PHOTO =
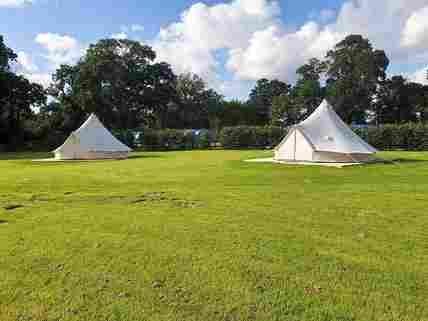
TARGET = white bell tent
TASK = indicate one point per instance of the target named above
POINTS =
(92, 141)
(323, 137)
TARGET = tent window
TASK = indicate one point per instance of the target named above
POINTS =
(328, 138)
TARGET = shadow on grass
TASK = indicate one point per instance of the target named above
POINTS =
(147, 155)
(407, 161)
(3, 222)
(13, 207)
(7, 156)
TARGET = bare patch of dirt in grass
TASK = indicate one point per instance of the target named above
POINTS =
(148, 198)
(40, 198)
(188, 203)
(152, 197)
(163, 196)
(313, 290)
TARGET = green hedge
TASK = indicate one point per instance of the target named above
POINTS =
(410, 136)
(250, 136)
(127, 137)
(174, 139)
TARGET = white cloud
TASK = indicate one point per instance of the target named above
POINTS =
(284, 51)
(15, 3)
(119, 36)
(274, 54)
(26, 63)
(62, 49)
(25, 66)
(191, 43)
(258, 45)
(56, 42)
(415, 33)
(419, 76)
(43, 79)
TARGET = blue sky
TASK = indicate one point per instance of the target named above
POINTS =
(229, 43)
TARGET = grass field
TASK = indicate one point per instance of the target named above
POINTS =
(186, 236)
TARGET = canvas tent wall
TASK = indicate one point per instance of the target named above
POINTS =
(324, 137)
(92, 141)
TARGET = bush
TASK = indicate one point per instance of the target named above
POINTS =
(251, 136)
(174, 139)
(410, 136)
(127, 137)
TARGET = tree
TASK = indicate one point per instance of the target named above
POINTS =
(312, 70)
(198, 106)
(214, 109)
(354, 71)
(418, 98)
(261, 97)
(400, 101)
(118, 80)
(6, 56)
(191, 92)
(308, 92)
(285, 111)
(235, 113)
(17, 97)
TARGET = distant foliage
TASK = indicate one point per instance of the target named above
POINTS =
(127, 137)
(251, 136)
(409, 136)
(175, 139)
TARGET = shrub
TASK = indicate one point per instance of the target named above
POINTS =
(174, 139)
(409, 136)
(126, 136)
(250, 136)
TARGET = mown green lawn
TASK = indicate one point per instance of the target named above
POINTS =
(202, 235)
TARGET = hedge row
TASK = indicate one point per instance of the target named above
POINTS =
(250, 136)
(229, 137)
(410, 136)
(173, 139)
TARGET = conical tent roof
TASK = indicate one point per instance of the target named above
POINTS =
(94, 137)
(326, 132)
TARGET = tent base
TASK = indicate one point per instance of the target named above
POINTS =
(311, 163)
(55, 160)
(92, 156)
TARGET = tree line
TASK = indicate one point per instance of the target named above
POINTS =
(121, 81)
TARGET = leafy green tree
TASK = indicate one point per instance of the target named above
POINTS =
(198, 106)
(236, 113)
(308, 92)
(261, 97)
(285, 111)
(191, 92)
(419, 100)
(118, 80)
(214, 108)
(400, 101)
(312, 70)
(354, 70)
(6, 56)
(17, 97)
